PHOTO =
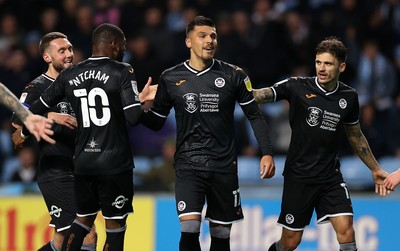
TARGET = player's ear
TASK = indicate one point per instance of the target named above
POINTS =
(342, 67)
(188, 43)
(46, 58)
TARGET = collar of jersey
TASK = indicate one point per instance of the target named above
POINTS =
(198, 73)
(325, 91)
(48, 77)
(98, 58)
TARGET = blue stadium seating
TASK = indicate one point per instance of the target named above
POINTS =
(356, 174)
(389, 163)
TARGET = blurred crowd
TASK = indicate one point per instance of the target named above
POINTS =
(269, 39)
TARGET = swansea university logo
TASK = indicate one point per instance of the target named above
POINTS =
(190, 102)
(314, 116)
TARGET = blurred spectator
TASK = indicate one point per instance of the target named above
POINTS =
(374, 130)
(376, 78)
(132, 16)
(140, 55)
(10, 35)
(161, 177)
(49, 20)
(160, 38)
(27, 170)
(174, 17)
(81, 37)
(105, 11)
(16, 73)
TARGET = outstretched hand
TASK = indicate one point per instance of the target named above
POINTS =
(40, 127)
(392, 180)
(379, 177)
(267, 167)
(148, 94)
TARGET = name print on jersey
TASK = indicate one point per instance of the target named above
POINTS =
(327, 120)
(91, 74)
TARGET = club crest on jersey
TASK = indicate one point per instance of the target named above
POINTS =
(219, 82)
(342, 103)
(247, 82)
(289, 219)
(181, 206)
(314, 116)
(190, 102)
(63, 107)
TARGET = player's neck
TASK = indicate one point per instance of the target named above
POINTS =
(330, 86)
(199, 64)
(51, 72)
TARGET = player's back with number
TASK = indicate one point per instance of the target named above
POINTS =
(99, 90)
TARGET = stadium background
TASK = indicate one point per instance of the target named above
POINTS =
(270, 40)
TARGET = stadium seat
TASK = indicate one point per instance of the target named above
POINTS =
(142, 164)
(356, 174)
(389, 163)
(249, 171)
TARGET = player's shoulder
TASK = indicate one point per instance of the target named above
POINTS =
(345, 87)
(173, 70)
(228, 66)
(41, 82)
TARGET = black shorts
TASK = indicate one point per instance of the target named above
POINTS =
(221, 191)
(60, 201)
(299, 200)
(112, 194)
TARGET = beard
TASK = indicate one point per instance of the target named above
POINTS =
(60, 67)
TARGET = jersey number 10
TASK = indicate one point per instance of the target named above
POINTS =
(88, 104)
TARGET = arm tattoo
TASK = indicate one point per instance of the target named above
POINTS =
(8, 99)
(360, 145)
(264, 95)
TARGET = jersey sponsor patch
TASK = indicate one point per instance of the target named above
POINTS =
(247, 82)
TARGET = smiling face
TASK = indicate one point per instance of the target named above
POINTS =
(328, 68)
(59, 54)
(202, 42)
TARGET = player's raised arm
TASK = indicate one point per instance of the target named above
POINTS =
(264, 95)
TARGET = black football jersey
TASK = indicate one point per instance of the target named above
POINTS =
(204, 103)
(99, 90)
(315, 115)
(55, 160)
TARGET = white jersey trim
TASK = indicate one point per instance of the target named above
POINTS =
(223, 222)
(159, 115)
(246, 103)
(325, 218)
(198, 73)
(129, 106)
(191, 213)
(44, 103)
(325, 91)
(291, 228)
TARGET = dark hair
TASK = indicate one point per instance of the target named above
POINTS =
(199, 21)
(107, 33)
(333, 46)
(46, 39)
